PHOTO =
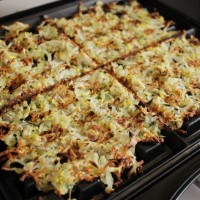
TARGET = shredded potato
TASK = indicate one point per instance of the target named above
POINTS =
(78, 94)
(165, 77)
(109, 31)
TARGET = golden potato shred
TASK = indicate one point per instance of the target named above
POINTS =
(78, 94)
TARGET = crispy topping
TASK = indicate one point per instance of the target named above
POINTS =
(78, 94)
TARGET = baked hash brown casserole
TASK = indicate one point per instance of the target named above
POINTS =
(78, 94)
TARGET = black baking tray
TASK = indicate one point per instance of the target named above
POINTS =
(168, 166)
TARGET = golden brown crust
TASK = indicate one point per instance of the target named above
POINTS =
(76, 98)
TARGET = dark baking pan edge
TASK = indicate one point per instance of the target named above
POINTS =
(25, 15)
(182, 21)
(179, 12)
(55, 9)
(62, 5)
(175, 183)
(147, 180)
(187, 182)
